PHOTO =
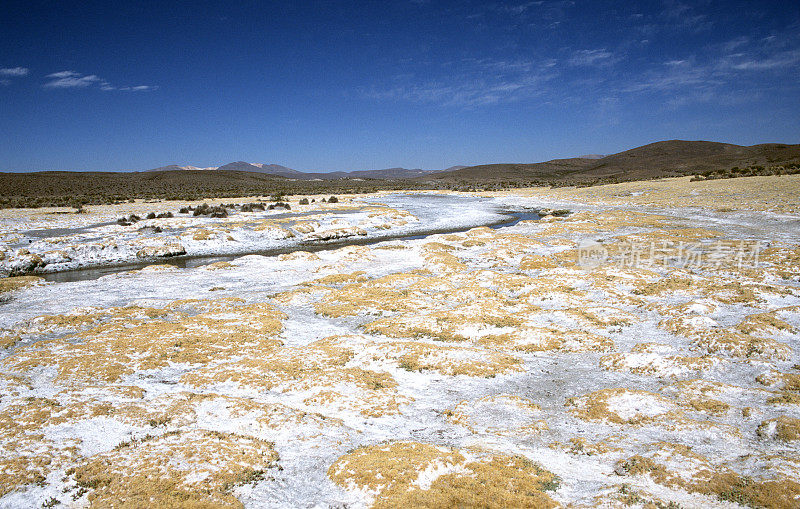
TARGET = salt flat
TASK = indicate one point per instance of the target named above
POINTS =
(641, 350)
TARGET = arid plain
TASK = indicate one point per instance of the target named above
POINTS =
(637, 345)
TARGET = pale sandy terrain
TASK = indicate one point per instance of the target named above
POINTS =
(643, 351)
(777, 194)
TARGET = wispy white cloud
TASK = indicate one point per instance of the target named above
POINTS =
(682, 16)
(72, 79)
(139, 88)
(14, 71)
(520, 8)
(593, 57)
(781, 60)
(689, 73)
(471, 83)
(675, 74)
(721, 72)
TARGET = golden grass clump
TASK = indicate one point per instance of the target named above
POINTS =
(395, 475)
(178, 469)
(503, 248)
(439, 259)
(24, 421)
(714, 400)
(303, 256)
(306, 226)
(338, 279)
(316, 371)
(273, 228)
(705, 333)
(781, 380)
(784, 260)
(9, 339)
(21, 431)
(671, 284)
(85, 317)
(450, 326)
(540, 339)
(579, 446)
(625, 406)
(448, 360)
(601, 316)
(677, 466)
(764, 323)
(537, 262)
(133, 340)
(11, 284)
(640, 361)
(784, 428)
(220, 266)
(201, 234)
(391, 293)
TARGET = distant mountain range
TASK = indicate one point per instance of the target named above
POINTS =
(283, 171)
(671, 158)
(656, 160)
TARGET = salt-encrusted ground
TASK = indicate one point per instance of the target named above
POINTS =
(642, 350)
(51, 240)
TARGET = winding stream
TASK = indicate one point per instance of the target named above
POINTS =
(511, 217)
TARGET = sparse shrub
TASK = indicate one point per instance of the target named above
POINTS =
(303, 201)
(252, 207)
(207, 210)
(127, 221)
(333, 199)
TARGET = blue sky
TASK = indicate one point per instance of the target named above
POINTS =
(325, 85)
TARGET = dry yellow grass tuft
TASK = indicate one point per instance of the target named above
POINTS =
(10, 284)
(448, 360)
(317, 371)
(177, 469)
(782, 428)
(625, 406)
(413, 474)
(131, 339)
(677, 466)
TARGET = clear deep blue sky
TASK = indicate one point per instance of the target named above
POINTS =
(324, 85)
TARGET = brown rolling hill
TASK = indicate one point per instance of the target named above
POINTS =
(656, 160)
